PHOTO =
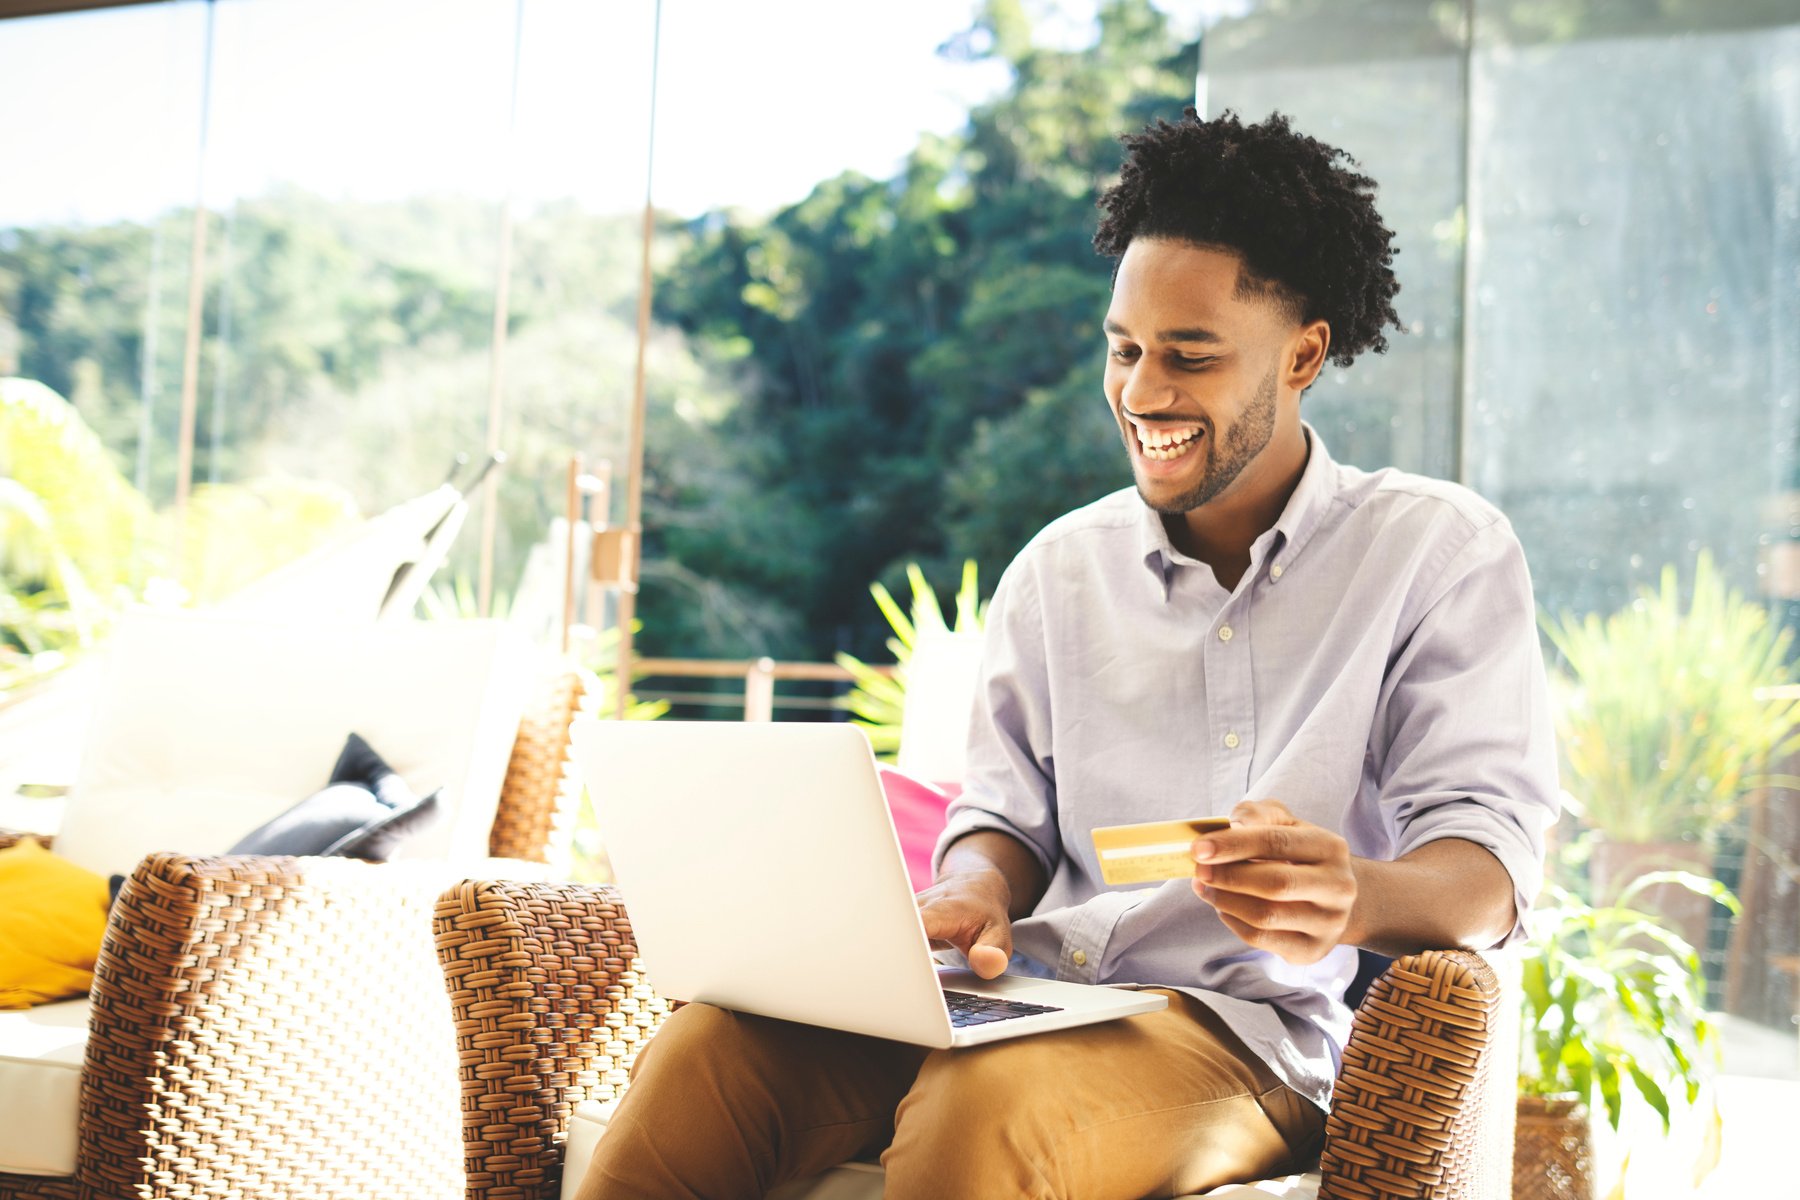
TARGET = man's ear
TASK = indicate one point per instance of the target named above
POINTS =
(1306, 352)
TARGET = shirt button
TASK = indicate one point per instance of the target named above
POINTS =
(1231, 741)
(1079, 958)
(1275, 571)
(1224, 633)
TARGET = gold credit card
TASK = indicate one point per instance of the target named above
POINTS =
(1151, 850)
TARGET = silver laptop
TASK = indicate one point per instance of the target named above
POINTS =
(763, 874)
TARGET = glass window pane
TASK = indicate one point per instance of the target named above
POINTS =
(1632, 349)
(95, 239)
(94, 250)
(1382, 80)
(1632, 364)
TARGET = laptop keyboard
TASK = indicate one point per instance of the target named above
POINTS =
(966, 1009)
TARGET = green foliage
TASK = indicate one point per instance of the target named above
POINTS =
(878, 700)
(1612, 997)
(93, 321)
(1663, 716)
(72, 532)
(78, 541)
(238, 532)
(601, 656)
(349, 345)
(454, 599)
(1061, 439)
(831, 383)
(917, 358)
(72, 524)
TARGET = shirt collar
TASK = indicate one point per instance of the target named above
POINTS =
(1280, 543)
(1311, 500)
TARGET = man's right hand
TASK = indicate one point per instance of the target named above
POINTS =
(967, 910)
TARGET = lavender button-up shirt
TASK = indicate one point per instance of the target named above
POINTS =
(1376, 670)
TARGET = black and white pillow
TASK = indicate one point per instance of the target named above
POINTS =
(364, 811)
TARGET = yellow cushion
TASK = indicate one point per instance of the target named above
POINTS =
(52, 919)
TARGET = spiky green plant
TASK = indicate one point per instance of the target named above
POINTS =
(80, 507)
(1613, 998)
(237, 533)
(78, 542)
(601, 655)
(1665, 715)
(455, 599)
(71, 532)
(878, 700)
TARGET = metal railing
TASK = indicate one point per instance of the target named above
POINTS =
(759, 698)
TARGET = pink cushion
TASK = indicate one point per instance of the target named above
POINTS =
(918, 810)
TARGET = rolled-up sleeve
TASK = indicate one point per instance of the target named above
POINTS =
(1470, 751)
(1009, 785)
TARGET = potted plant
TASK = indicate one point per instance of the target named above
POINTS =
(1613, 1005)
(1664, 721)
(877, 702)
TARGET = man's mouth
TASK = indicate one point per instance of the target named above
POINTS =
(1166, 445)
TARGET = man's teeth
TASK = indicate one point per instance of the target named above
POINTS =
(1161, 445)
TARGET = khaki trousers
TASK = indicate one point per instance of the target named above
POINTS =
(725, 1106)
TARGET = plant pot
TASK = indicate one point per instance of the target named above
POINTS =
(1614, 865)
(1553, 1149)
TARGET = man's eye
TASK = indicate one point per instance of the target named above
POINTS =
(1189, 362)
(1123, 353)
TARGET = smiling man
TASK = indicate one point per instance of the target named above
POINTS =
(1345, 663)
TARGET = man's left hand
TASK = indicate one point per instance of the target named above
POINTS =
(1278, 883)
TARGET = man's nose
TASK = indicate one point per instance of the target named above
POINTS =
(1148, 389)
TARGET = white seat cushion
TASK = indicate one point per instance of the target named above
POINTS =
(206, 726)
(862, 1181)
(40, 1087)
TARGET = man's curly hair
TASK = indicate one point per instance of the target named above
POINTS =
(1302, 220)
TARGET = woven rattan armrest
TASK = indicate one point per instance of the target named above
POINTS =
(1424, 1100)
(12, 837)
(267, 1027)
(535, 818)
(550, 1011)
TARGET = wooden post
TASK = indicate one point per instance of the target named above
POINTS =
(196, 315)
(598, 487)
(634, 485)
(571, 518)
(496, 411)
(759, 691)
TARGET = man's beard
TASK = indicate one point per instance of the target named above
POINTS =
(1225, 462)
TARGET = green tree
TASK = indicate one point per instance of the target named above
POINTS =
(897, 344)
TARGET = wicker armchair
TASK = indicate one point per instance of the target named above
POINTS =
(551, 1008)
(277, 1028)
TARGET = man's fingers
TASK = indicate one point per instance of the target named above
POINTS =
(956, 931)
(991, 951)
(1278, 883)
(1284, 881)
(1291, 947)
(988, 961)
(948, 931)
(986, 943)
(1262, 812)
(1271, 916)
(1286, 843)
